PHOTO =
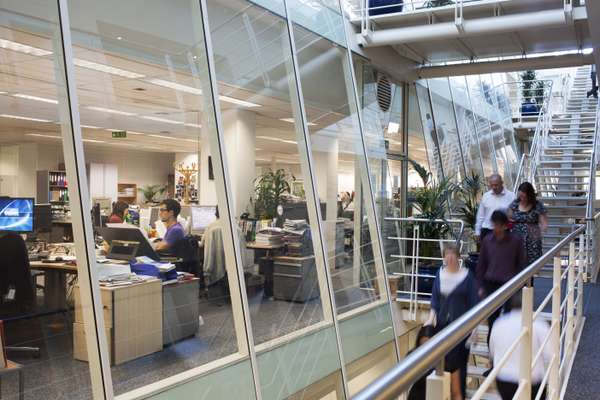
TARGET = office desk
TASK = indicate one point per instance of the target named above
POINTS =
(133, 319)
(55, 282)
(266, 268)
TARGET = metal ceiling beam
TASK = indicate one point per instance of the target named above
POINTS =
(547, 62)
(469, 27)
(593, 10)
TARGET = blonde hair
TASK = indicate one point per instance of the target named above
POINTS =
(451, 247)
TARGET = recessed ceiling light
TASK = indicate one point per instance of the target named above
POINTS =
(193, 125)
(238, 101)
(23, 48)
(291, 121)
(107, 69)
(35, 98)
(110, 111)
(119, 37)
(277, 139)
(24, 118)
(93, 141)
(175, 86)
(45, 136)
(165, 120)
(136, 133)
(90, 126)
(163, 137)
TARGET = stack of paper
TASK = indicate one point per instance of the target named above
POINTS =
(270, 237)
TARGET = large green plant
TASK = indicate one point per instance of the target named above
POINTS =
(469, 193)
(269, 189)
(528, 77)
(151, 191)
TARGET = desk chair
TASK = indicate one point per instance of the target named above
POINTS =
(188, 251)
(16, 282)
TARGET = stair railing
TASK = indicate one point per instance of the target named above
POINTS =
(566, 301)
(591, 218)
(529, 161)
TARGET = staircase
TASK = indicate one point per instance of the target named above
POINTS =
(562, 173)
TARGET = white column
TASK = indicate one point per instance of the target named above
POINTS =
(325, 155)
(240, 139)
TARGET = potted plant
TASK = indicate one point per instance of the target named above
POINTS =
(528, 106)
(151, 191)
(269, 189)
(469, 194)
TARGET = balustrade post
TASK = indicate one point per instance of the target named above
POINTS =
(554, 342)
(569, 322)
(526, 356)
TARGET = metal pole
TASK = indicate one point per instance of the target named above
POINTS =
(569, 339)
(525, 357)
(554, 378)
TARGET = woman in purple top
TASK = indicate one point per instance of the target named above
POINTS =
(168, 211)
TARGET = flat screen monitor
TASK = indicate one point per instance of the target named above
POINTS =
(16, 214)
(202, 216)
(42, 217)
(129, 234)
(105, 204)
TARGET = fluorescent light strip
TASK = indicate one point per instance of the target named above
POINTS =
(175, 86)
(110, 111)
(238, 101)
(135, 133)
(277, 139)
(163, 137)
(45, 136)
(35, 98)
(291, 121)
(107, 69)
(90, 126)
(93, 141)
(23, 48)
(24, 118)
(165, 120)
(193, 125)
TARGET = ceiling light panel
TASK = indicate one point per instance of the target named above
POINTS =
(238, 102)
(23, 48)
(165, 120)
(291, 121)
(175, 86)
(35, 98)
(110, 111)
(40, 135)
(24, 118)
(107, 69)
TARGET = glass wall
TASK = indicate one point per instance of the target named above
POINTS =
(429, 130)
(149, 125)
(38, 202)
(208, 217)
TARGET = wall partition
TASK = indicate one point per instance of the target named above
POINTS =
(198, 174)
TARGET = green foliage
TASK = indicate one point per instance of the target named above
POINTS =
(151, 191)
(438, 3)
(538, 90)
(469, 193)
(527, 85)
(269, 189)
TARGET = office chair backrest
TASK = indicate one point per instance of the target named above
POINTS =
(15, 274)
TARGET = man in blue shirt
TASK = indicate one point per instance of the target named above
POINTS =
(168, 210)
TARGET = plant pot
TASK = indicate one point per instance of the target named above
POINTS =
(529, 108)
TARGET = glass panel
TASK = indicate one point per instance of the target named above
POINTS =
(36, 303)
(446, 129)
(429, 131)
(349, 232)
(482, 124)
(290, 310)
(466, 125)
(151, 143)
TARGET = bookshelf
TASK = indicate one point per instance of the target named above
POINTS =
(127, 192)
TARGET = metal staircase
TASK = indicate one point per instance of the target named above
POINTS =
(566, 162)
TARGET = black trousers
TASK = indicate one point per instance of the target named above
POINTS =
(508, 389)
(490, 287)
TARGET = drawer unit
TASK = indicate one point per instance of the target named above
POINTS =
(295, 278)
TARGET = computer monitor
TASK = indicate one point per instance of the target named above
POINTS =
(42, 218)
(105, 204)
(16, 214)
(130, 234)
(202, 216)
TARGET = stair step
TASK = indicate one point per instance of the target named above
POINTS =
(563, 161)
(562, 198)
(557, 190)
(563, 169)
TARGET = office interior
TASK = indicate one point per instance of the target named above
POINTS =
(147, 119)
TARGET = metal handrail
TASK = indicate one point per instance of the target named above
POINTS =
(399, 378)
(593, 163)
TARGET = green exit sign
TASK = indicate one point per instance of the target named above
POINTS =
(119, 134)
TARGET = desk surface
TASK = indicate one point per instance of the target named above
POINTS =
(260, 246)
(59, 266)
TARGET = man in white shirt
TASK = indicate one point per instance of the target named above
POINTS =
(505, 331)
(498, 198)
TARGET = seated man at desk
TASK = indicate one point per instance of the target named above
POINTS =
(168, 210)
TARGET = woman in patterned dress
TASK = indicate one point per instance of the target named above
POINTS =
(529, 219)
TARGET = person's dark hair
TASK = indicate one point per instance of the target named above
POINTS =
(426, 332)
(499, 217)
(529, 191)
(172, 205)
(119, 208)
(217, 212)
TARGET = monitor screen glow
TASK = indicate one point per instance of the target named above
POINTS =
(16, 214)
(202, 217)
